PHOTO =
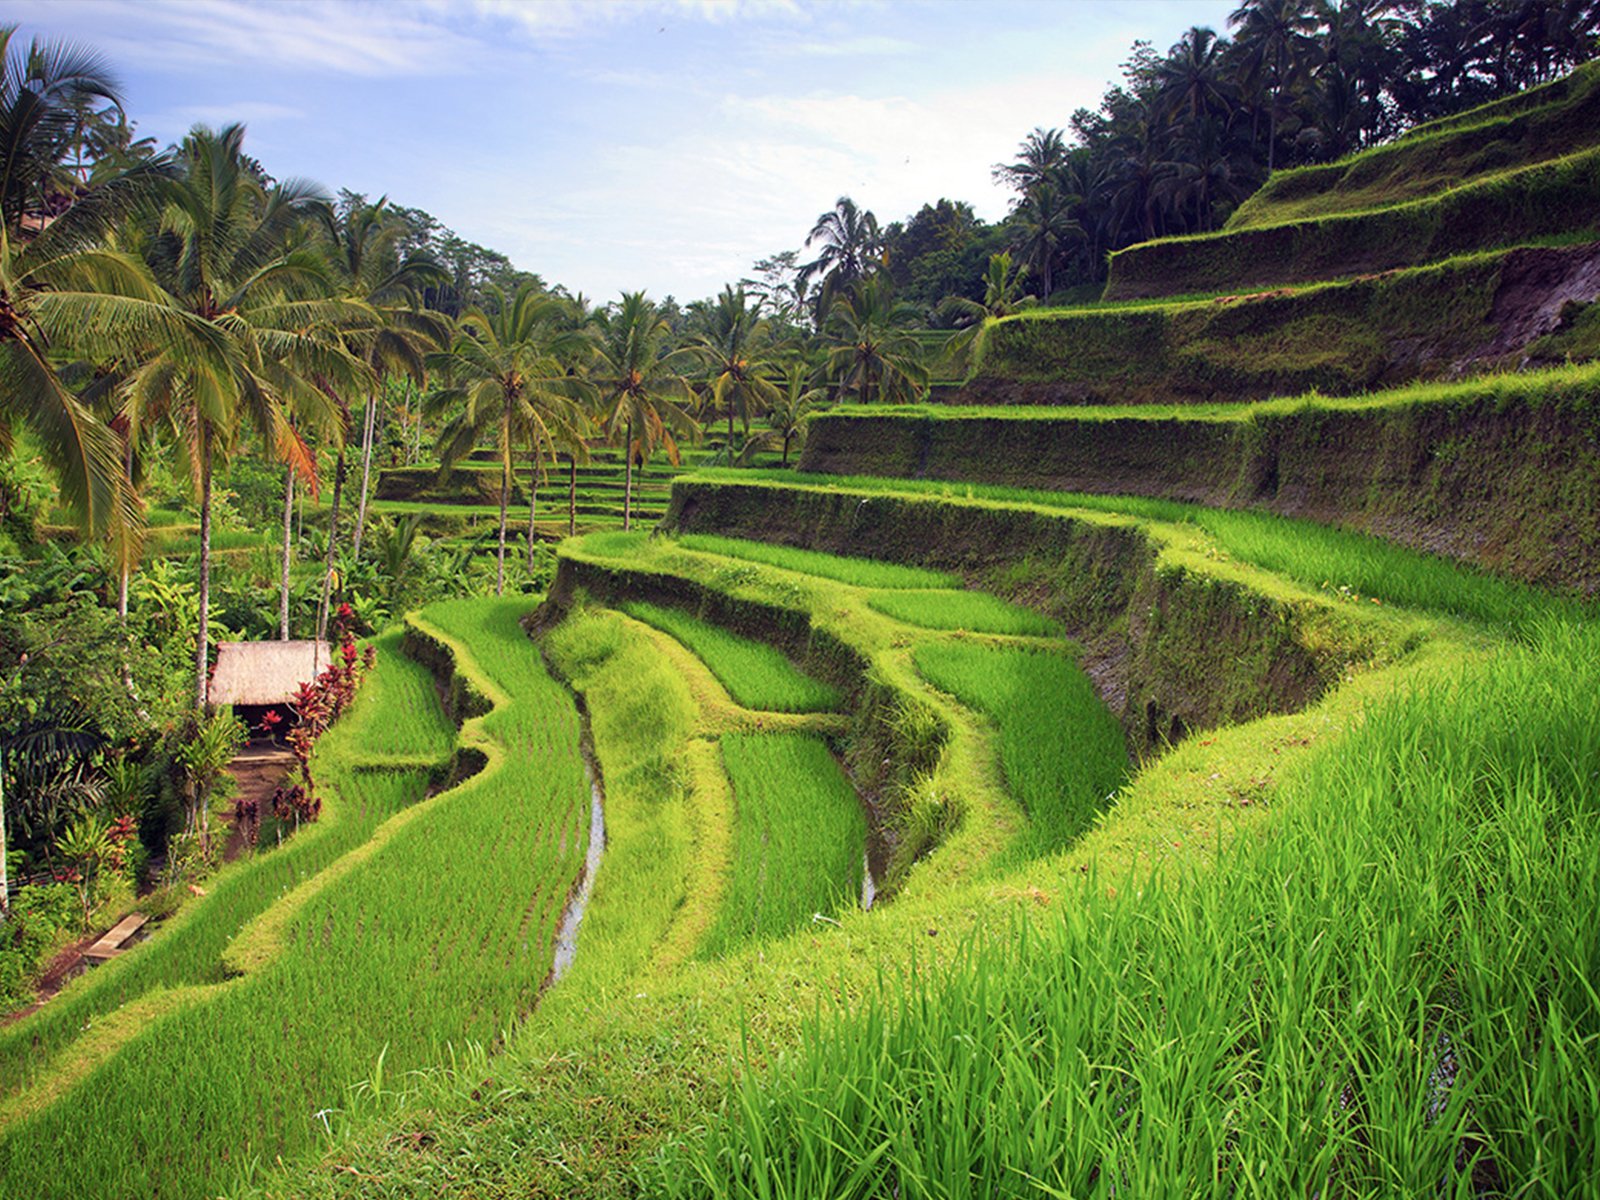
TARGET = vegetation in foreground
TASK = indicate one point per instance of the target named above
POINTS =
(1389, 995)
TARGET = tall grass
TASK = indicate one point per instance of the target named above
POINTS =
(1393, 993)
(1339, 561)
(859, 572)
(976, 612)
(437, 935)
(395, 711)
(799, 837)
(1061, 749)
(756, 675)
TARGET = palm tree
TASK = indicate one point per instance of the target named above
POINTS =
(851, 249)
(1002, 296)
(361, 244)
(218, 254)
(787, 416)
(874, 357)
(1039, 159)
(642, 389)
(43, 92)
(1191, 78)
(1045, 228)
(1274, 39)
(509, 383)
(737, 349)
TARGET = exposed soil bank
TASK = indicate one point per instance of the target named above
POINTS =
(1170, 650)
(1339, 339)
(1512, 484)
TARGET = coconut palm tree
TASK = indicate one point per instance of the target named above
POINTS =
(787, 416)
(851, 248)
(507, 382)
(873, 356)
(1046, 228)
(738, 353)
(1276, 48)
(643, 394)
(1002, 296)
(218, 254)
(44, 90)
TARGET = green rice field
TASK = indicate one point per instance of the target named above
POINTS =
(858, 572)
(975, 612)
(755, 674)
(799, 838)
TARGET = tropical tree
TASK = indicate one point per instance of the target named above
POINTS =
(1002, 296)
(1276, 45)
(643, 393)
(507, 383)
(787, 416)
(850, 247)
(218, 254)
(1045, 229)
(1039, 159)
(873, 355)
(739, 358)
(44, 91)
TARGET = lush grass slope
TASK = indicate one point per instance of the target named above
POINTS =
(799, 837)
(758, 676)
(858, 572)
(974, 612)
(1062, 751)
(1393, 994)
(436, 934)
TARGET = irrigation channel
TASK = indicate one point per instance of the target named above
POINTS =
(583, 886)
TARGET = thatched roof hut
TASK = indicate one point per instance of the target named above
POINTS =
(263, 674)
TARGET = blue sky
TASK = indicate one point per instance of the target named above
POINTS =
(611, 145)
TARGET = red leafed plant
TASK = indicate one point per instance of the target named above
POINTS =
(318, 706)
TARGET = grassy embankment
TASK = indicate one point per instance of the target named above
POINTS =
(374, 762)
(1342, 564)
(1388, 995)
(434, 934)
(591, 1087)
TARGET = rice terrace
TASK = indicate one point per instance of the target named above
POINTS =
(1090, 690)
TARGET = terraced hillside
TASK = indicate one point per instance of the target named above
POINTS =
(1116, 799)
(1506, 174)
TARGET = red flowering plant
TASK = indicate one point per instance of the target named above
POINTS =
(318, 705)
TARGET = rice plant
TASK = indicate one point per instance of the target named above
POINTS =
(1340, 562)
(976, 612)
(859, 572)
(799, 837)
(435, 935)
(1391, 993)
(396, 708)
(756, 675)
(1061, 749)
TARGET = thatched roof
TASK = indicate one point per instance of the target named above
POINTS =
(266, 672)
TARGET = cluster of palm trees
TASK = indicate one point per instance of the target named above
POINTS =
(1191, 133)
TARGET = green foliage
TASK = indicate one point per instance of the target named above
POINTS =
(395, 711)
(1061, 748)
(975, 612)
(1364, 996)
(436, 934)
(799, 838)
(858, 572)
(1516, 206)
(756, 675)
(42, 916)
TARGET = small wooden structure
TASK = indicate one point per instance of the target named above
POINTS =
(113, 943)
(258, 677)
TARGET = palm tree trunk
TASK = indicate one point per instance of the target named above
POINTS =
(201, 651)
(730, 429)
(533, 505)
(505, 498)
(627, 480)
(339, 472)
(786, 450)
(125, 567)
(367, 430)
(572, 495)
(5, 893)
(288, 554)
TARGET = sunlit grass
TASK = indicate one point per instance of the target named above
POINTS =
(976, 612)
